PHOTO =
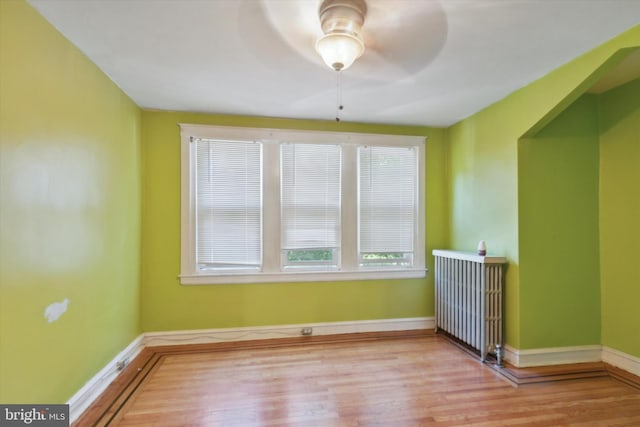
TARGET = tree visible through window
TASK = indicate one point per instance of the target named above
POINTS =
(387, 208)
(310, 176)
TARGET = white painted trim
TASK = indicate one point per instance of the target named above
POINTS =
(306, 136)
(271, 269)
(621, 360)
(520, 358)
(298, 276)
(553, 356)
(511, 355)
(566, 355)
(469, 256)
(100, 381)
(84, 397)
(207, 336)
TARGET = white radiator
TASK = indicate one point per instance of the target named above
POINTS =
(468, 292)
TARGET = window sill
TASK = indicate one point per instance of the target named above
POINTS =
(315, 276)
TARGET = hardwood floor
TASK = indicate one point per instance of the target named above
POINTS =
(410, 381)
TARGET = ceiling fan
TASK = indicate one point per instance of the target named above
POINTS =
(390, 39)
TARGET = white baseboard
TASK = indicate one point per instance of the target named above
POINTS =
(520, 358)
(621, 360)
(208, 336)
(100, 381)
(511, 355)
(566, 355)
(553, 356)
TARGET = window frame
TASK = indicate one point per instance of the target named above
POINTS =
(272, 269)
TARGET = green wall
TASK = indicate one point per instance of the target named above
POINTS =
(558, 238)
(483, 198)
(70, 221)
(170, 306)
(620, 217)
(75, 153)
(484, 191)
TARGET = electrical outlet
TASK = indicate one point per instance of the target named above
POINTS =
(307, 331)
(122, 364)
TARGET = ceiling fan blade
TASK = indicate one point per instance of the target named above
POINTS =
(408, 34)
(297, 23)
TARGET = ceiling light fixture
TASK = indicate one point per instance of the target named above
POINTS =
(341, 22)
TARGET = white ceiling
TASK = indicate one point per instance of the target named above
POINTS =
(427, 62)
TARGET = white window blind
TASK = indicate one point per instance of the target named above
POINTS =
(229, 204)
(387, 204)
(310, 203)
(265, 205)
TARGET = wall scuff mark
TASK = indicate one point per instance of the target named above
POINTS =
(55, 310)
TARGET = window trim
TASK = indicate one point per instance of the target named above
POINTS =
(271, 263)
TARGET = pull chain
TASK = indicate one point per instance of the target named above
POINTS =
(339, 106)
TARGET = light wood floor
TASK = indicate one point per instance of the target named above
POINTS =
(412, 381)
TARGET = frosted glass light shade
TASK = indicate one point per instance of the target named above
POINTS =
(339, 50)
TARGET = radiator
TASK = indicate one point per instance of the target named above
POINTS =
(468, 294)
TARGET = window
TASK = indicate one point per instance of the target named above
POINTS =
(387, 208)
(269, 205)
(310, 205)
(228, 204)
